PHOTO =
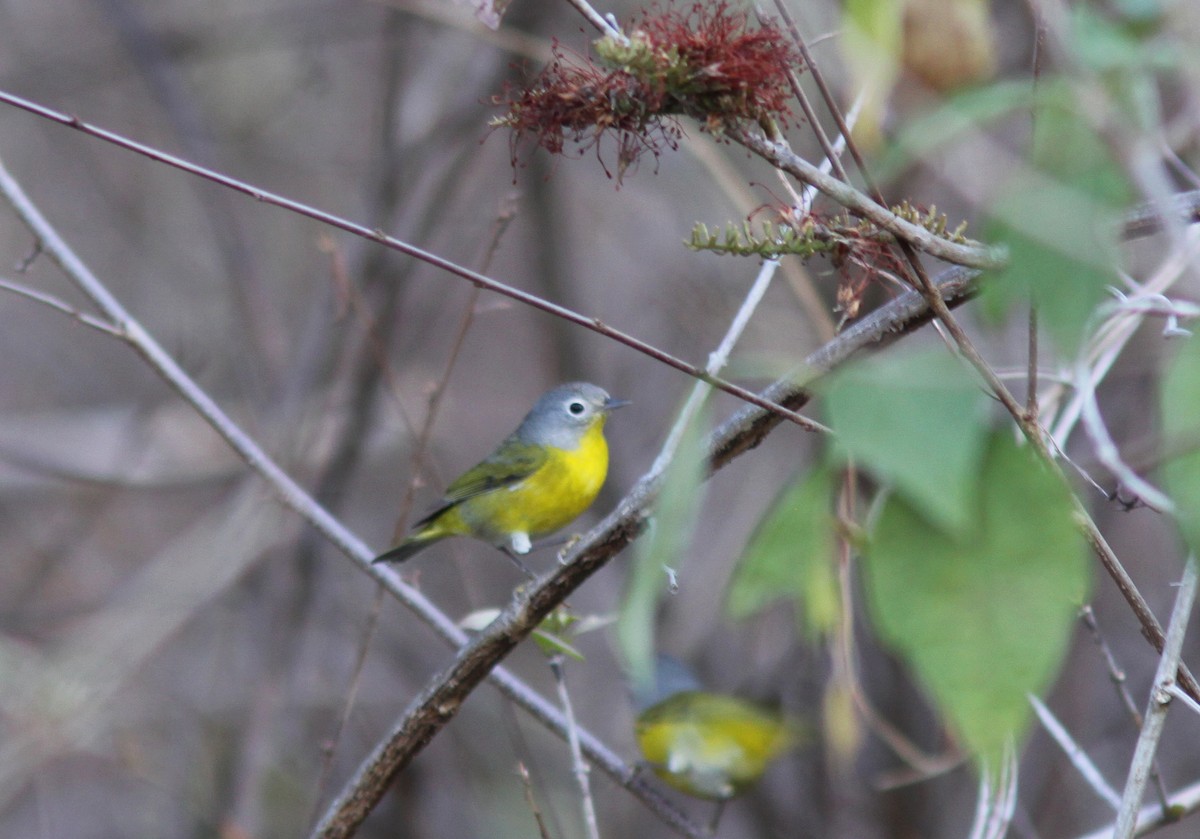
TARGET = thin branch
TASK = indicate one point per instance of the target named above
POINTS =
(294, 497)
(1116, 673)
(779, 155)
(577, 765)
(1124, 317)
(641, 653)
(329, 750)
(1075, 753)
(376, 235)
(1031, 375)
(60, 306)
(1105, 447)
(740, 433)
(997, 799)
(437, 703)
(1152, 817)
(527, 785)
(1156, 709)
(716, 361)
(810, 113)
(504, 216)
(1117, 676)
(1151, 628)
(1192, 704)
(830, 100)
(605, 25)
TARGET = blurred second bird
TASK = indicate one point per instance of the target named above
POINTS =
(709, 745)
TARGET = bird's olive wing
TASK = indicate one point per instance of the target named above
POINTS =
(513, 461)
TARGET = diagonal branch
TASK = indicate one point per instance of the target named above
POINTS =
(293, 496)
(376, 235)
(781, 157)
(742, 432)
(437, 703)
(1156, 710)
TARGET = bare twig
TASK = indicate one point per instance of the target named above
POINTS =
(294, 497)
(59, 306)
(441, 698)
(1105, 447)
(330, 749)
(480, 280)
(1031, 365)
(527, 785)
(997, 799)
(1116, 675)
(640, 654)
(716, 361)
(742, 432)
(148, 48)
(1192, 704)
(779, 155)
(577, 765)
(1075, 753)
(605, 25)
(1147, 219)
(1156, 708)
(504, 217)
(1151, 817)
(810, 113)
(1122, 319)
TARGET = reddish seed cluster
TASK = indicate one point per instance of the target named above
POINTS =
(581, 103)
(860, 258)
(730, 70)
(706, 63)
(860, 262)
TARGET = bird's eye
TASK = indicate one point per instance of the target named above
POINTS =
(576, 408)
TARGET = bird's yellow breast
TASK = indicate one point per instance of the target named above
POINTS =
(709, 745)
(551, 498)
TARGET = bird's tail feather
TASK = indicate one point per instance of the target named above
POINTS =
(408, 548)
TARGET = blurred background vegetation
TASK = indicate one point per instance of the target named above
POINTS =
(178, 653)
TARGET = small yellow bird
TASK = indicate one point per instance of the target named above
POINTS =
(539, 479)
(708, 745)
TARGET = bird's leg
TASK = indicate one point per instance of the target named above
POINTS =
(712, 825)
(508, 552)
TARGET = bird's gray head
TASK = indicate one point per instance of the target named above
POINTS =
(562, 416)
(670, 677)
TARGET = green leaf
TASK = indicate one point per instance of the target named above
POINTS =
(1107, 45)
(962, 115)
(1058, 218)
(872, 39)
(1181, 428)
(983, 618)
(916, 420)
(791, 556)
(551, 644)
(666, 545)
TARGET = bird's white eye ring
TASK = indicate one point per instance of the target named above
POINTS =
(576, 408)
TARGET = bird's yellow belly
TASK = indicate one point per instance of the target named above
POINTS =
(551, 498)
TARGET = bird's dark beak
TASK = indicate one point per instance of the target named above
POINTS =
(611, 404)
